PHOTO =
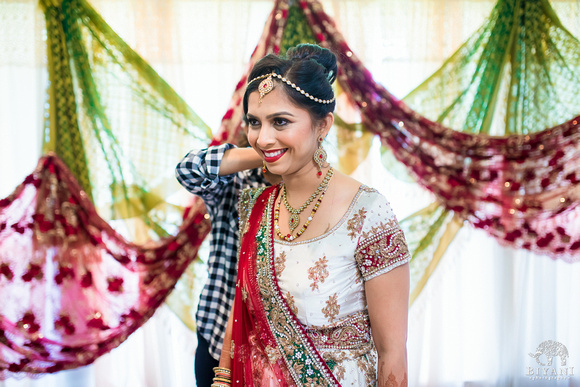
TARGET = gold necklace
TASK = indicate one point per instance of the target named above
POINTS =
(294, 220)
(290, 237)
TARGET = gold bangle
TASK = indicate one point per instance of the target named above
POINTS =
(218, 384)
(218, 369)
(222, 380)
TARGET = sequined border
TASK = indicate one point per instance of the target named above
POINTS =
(351, 332)
(304, 363)
(381, 250)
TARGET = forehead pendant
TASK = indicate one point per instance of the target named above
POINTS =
(266, 86)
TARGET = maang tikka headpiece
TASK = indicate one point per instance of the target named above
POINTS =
(267, 85)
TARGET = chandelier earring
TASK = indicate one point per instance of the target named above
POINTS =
(320, 156)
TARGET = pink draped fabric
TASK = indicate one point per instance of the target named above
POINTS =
(524, 189)
(71, 288)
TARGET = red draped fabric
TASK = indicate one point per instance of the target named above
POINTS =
(270, 345)
(524, 189)
(72, 288)
(251, 332)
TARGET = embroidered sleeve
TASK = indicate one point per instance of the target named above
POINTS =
(381, 246)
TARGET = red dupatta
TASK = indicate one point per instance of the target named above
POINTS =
(270, 346)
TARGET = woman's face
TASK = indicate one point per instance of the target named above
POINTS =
(282, 133)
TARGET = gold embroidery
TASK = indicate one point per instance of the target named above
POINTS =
(280, 263)
(246, 202)
(273, 354)
(339, 372)
(357, 276)
(332, 308)
(365, 359)
(355, 224)
(290, 300)
(381, 249)
(352, 332)
(340, 356)
(286, 331)
(298, 367)
(244, 207)
(244, 295)
(318, 273)
(367, 367)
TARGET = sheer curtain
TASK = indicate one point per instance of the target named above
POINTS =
(485, 308)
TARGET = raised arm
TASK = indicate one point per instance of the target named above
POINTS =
(209, 173)
(388, 300)
(239, 159)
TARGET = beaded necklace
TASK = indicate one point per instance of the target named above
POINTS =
(289, 237)
(294, 220)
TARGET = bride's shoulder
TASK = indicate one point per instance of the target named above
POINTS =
(346, 185)
(350, 189)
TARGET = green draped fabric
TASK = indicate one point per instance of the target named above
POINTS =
(519, 73)
(62, 129)
(120, 128)
(114, 121)
(297, 29)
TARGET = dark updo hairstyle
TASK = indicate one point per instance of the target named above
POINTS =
(308, 66)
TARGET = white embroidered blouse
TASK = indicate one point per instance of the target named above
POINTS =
(323, 279)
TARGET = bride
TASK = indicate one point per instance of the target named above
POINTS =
(323, 278)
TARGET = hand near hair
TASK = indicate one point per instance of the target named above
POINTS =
(239, 159)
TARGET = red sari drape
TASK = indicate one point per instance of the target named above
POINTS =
(270, 346)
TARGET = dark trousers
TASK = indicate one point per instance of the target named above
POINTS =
(204, 363)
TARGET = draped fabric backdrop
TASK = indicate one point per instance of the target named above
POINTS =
(484, 309)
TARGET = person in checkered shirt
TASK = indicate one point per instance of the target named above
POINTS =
(199, 172)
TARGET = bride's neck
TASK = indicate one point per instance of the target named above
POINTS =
(300, 187)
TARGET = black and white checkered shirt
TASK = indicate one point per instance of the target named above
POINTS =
(198, 173)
